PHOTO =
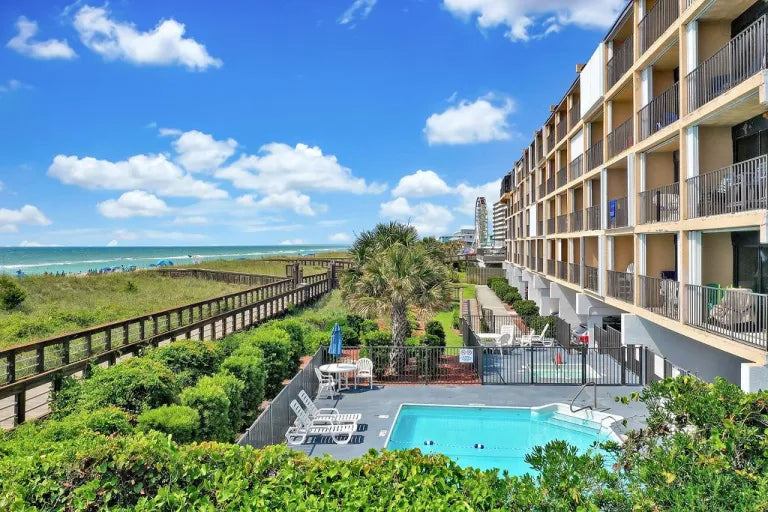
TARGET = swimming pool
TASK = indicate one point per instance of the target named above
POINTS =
(494, 437)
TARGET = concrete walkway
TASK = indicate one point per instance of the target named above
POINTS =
(489, 300)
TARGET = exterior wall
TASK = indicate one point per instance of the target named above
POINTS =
(617, 183)
(659, 254)
(622, 110)
(662, 80)
(712, 36)
(623, 252)
(592, 79)
(717, 256)
(591, 257)
(659, 169)
(715, 147)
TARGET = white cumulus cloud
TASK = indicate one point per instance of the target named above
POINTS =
(421, 184)
(469, 194)
(193, 219)
(359, 10)
(427, 218)
(163, 45)
(198, 151)
(290, 199)
(470, 122)
(27, 214)
(135, 203)
(293, 241)
(113, 243)
(23, 43)
(340, 238)
(153, 173)
(527, 19)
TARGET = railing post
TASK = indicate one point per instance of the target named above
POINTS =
(10, 372)
(21, 406)
(584, 364)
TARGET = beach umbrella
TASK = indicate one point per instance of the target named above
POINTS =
(335, 348)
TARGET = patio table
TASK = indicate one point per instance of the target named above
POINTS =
(339, 369)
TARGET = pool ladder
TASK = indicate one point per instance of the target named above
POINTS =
(581, 390)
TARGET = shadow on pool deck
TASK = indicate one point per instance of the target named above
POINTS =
(379, 406)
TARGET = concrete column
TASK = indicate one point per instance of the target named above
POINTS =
(582, 255)
(690, 56)
(631, 194)
(690, 162)
(694, 258)
(601, 264)
(646, 86)
(610, 248)
(604, 198)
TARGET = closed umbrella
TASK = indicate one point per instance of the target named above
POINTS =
(335, 348)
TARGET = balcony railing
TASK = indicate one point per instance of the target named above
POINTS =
(577, 167)
(621, 138)
(562, 223)
(620, 62)
(542, 189)
(733, 313)
(574, 273)
(577, 221)
(550, 226)
(737, 188)
(661, 296)
(539, 264)
(590, 278)
(621, 285)
(562, 129)
(658, 19)
(562, 270)
(618, 213)
(743, 56)
(575, 115)
(551, 267)
(661, 204)
(662, 111)
(539, 151)
(595, 155)
(562, 177)
(551, 185)
(551, 139)
(593, 217)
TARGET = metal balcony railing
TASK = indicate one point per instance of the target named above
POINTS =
(577, 221)
(590, 278)
(562, 223)
(621, 61)
(595, 155)
(621, 138)
(618, 213)
(742, 57)
(662, 111)
(658, 19)
(551, 139)
(575, 115)
(660, 204)
(577, 167)
(593, 217)
(550, 267)
(540, 228)
(539, 264)
(574, 273)
(736, 188)
(733, 313)
(562, 270)
(621, 285)
(660, 296)
(550, 226)
(542, 189)
(562, 177)
(551, 185)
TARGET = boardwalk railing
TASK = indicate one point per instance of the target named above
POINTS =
(34, 367)
(219, 275)
(736, 188)
(480, 275)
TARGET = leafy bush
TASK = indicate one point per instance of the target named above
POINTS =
(537, 324)
(233, 387)
(11, 294)
(277, 349)
(349, 337)
(296, 330)
(250, 370)
(180, 421)
(212, 405)
(435, 328)
(368, 326)
(526, 308)
(503, 290)
(456, 318)
(189, 359)
(133, 385)
(431, 340)
(378, 338)
(316, 339)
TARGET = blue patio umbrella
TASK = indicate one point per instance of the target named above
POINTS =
(335, 348)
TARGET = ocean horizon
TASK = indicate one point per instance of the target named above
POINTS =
(38, 260)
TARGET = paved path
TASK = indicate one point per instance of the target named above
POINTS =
(489, 300)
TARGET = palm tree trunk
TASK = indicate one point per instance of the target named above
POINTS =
(399, 318)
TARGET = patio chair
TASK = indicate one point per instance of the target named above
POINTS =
(326, 385)
(305, 427)
(734, 309)
(364, 371)
(510, 329)
(326, 413)
(505, 340)
(527, 340)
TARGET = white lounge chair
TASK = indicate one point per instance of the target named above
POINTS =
(326, 413)
(528, 340)
(364, 371)
(305, 427)
(326, 385)
(505, 340)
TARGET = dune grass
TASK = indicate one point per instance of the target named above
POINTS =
(57, 305)
(253, 266)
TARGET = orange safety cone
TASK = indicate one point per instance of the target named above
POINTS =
(559, 359)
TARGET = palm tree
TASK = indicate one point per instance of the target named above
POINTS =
(395, 272)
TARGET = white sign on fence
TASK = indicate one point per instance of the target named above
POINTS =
(466, 355)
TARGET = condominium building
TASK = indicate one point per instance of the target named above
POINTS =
(499, 236)
(644, 195)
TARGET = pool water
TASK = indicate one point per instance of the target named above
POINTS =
(506, 434)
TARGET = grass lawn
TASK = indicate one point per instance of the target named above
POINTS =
(452, 338)
(469, 290)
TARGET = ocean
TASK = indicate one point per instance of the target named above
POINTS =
(37, 260)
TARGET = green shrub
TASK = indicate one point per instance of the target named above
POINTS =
(435, 328)
(277, 349)
(378, 338)
(133, 385)
(234, 388)
(297, 331)
(250, 370)
(456, 318)
(526, 308)
(189, 359)
(537, 324)
(431, 340)
(212, 405)
(368, 326)
(180, 421)
(11, 294)
(316, 339)
(349, 337)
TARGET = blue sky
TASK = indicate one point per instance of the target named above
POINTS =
(261, 122)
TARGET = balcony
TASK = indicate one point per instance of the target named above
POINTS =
(662, 111)
(562, 270)
(621, 139)
(577, 221)
(577, 167)
(542, 189)
(551, 139)
(593, 217)
(575, 115)
(620, 62)
(618, 213)
(550, 226)
(562, 223)
(539, 152)
(736, 188)
(562, 130)
(574, 273)
(743, 56)
(562, 177)
(595, 155)
(540, 228)
(550, 267)
(657, 20)
(621, 286)
(661, 204)
(733, 313)
(660, 296)
(551, 185)
(590, 278)
(539, 264)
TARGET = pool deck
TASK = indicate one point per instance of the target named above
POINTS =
(379, 406)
